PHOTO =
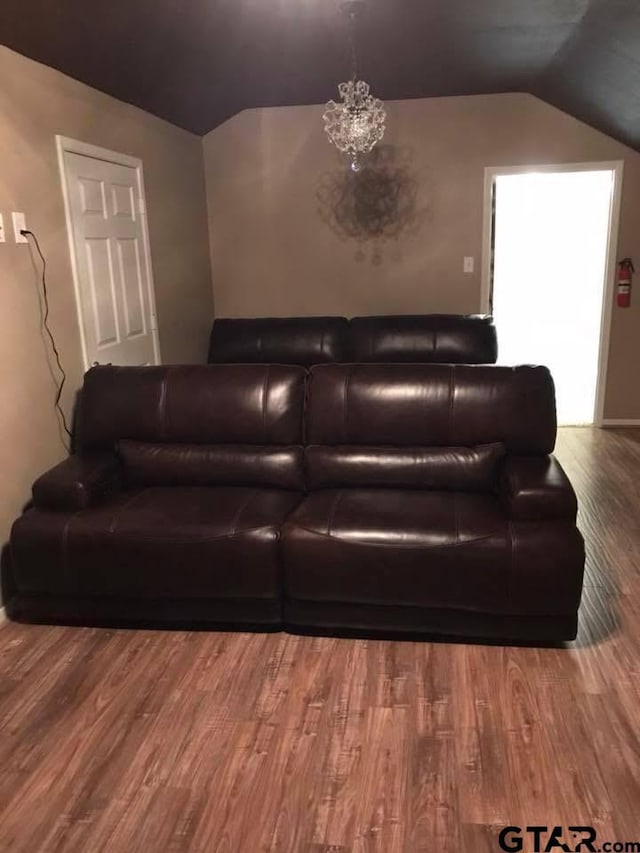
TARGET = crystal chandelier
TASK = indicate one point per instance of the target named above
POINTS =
(357, 123)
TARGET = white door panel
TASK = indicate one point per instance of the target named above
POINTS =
(112, 269)
(100, 309)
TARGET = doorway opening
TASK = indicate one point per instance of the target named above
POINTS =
(550, 242)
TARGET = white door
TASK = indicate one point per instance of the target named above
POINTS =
(550, 268)
(112, 269)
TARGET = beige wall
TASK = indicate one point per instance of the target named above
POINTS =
(276, 251)
(35, 104)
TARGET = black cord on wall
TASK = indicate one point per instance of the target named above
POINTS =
(45, 324)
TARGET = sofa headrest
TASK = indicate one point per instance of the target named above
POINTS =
(199, 404)
(426, 338)
(280, 340)
(443, 469)
(152, 464)
(426, 405)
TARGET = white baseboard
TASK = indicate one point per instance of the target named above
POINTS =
(621, 422)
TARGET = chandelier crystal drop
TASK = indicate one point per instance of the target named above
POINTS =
(357, 123)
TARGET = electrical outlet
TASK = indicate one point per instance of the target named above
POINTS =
(3, 236)
(468, 265)
(19, 224)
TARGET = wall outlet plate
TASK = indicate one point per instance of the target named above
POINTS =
(19, 223)
(468, 264)
(3, 236)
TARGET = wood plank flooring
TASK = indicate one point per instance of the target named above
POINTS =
(172, 741)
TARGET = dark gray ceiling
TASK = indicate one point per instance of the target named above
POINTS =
(198, 62)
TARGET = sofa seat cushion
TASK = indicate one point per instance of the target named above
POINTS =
(159, 542)
(428, 549)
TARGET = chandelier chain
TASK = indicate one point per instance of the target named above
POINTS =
(352, 39)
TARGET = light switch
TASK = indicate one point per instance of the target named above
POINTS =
(3, 236)
(19, 223)
(468, 265)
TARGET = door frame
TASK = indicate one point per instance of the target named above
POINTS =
(615, 166)
(64, 145)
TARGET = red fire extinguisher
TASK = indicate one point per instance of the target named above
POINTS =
(625, 274)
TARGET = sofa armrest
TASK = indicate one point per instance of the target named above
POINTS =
(78, 482)
(535, 488)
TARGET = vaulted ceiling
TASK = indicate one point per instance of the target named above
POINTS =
(198, 62)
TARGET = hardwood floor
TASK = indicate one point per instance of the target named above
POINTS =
(171, 741)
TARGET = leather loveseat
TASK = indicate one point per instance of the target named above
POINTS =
(395, 498)
(424, 338)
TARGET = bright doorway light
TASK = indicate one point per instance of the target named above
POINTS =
(551, 236)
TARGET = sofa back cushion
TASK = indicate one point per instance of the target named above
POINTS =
(424, 338)
(154, 464)
(464, 469)
(280, 340)
(192, 404)
(431, 405)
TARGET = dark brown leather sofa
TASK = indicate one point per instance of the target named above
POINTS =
(394, 498)
(425, 338)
